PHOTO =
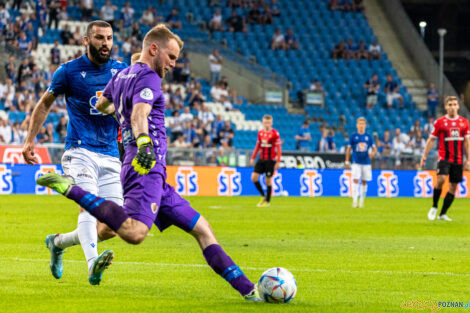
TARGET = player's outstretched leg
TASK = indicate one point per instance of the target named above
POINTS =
(56, 256)
(221, 263)
(255, 180)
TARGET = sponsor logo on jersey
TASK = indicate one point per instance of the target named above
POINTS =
(462, 189)
(186, 181)
(93, 101)
(345, 184)
(276, 181)
(387, 183)
(229, 182)
(311, 184)
(44, 169)
(423, 184)
(6, 185)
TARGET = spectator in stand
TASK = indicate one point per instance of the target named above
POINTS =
(216, 127)
(206, 117)
(32, 35)
(303, 138)
(374, 51)
(433, 100)
(50, 133)
(10, 91)
(127, 18)
(372, 86)
(127, 48)
(4, 16)
(54, 8)
(330, 140)
(61, 128)
(417, 144)
(237, 100)
(323, 142)
(3, 91)
(207, 143)
(24, 43)
(16, 134)
(416, 127)
(391, 89)
(362, 53)
(339, 52)
(36, 82)
(107, 13)
(136, 32)
(182, 71)
(215, 24)
(267, 16)
(316, 86)
(10, 68)
(196, 99)
(63, 15)
(352, 50)
(5, 129)
(176, 99)
(147, 17)
(66, 35)
(291, 40)
(428, 127)
(225, 101)
(226, 134)
(24, 71)
(236, 23)
(190, 135)
(55, 54)
(199, 130)
(254, 15)
(187, 116)
(357, 5)
(77, 37)
(117, 54)
(180, 142)
(41, 13)
(400, 146)
(176, 125)
(173, 19)
(278, 41)
(25, 101)
(385, 144)
(215, 64)
(216, 91)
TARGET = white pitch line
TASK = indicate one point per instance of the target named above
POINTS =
(262, 268)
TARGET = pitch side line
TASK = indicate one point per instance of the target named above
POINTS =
(262, 268)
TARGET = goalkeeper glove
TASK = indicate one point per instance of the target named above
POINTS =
(145, 158)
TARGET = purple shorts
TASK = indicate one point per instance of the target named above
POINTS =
(150, 200)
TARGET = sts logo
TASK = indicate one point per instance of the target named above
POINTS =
(423, 185)
(311, 183)
(186, 181)
(44, 169)
(462, 189)
(387, 184)
(6, 185)
(345, 184)
(229, 182)
(93, 100)
(277, 183)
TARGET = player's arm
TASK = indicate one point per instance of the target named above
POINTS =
(466, 145)
(427, 149)
(38, 118)
(278, 156)
(105, 106)
(347, 163)
(255, 152)
(374, 152)
(145, 158)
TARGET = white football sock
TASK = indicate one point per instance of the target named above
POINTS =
(355, 191)
(363, 193)
(63, 241)
(88, 236)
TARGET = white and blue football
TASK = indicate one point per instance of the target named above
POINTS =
(277, 285)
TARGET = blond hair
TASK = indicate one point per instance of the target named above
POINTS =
(135, 57)
(267, 117)
(450, 98)
(162, 35)
(361, 118)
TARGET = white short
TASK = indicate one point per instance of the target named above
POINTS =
(392, 96)
(94, 172)
(361, 171)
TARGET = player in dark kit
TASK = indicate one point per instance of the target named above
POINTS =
(269, 145)
(453, 133)
(136, 97)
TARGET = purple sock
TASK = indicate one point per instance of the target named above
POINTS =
(105, 211)
(223, 265)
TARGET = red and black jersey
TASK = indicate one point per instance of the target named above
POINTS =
(119, 137)
(269, 145)
(451, 133)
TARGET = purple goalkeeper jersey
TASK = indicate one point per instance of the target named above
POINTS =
(138, 83)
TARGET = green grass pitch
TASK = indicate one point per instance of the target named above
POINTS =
(344, 259)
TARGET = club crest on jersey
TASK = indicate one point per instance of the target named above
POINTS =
(93, 101)
(186, 181)
(6, 185)
(83, 74)
(113, 71)
(423, 184)
(229, 182)
(154, 208)
(345, 183)
(311, 184)
(387, 183)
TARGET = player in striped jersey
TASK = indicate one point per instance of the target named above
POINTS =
(269, 144)
(453, 133)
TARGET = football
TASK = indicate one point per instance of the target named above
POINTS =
(277, 285)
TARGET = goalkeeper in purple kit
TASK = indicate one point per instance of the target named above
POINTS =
(135, 96)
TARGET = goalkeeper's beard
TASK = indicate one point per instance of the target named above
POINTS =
(96, 54)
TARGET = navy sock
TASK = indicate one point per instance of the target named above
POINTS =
(223, 265)
(435, 197)
(260, 189)
(447, 202)
(268, 193)
(105, 211)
